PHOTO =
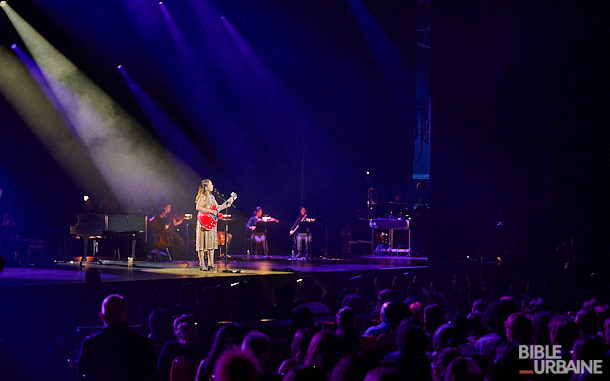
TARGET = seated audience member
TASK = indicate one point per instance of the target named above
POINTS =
(116, 353)
(433, 318)
(588, 348)
(457, 370)
(411, 359)
(508, 365)
(187, 300)
(260, 346)
(345, 317)
(312, 295)
(417, 310)
(563, 332)
(383, 296)
(302, 317)
(586, 321)
(236, 365)
(540, 324)
(298, 350)
(493, 319)
(226, 337)
(349, 340)
(284, 304)
(395, 313)
(186, 345)
(355, 302)
(442, 361)
(160, 325)
(349, 337)
(323, 351)
(383, 325)
(449, 336)
(518, 329)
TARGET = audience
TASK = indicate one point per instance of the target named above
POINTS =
(395, 313)
(259, 345)
(323, 351)
(186, 345)
(160, 325)
(236, 365)
(467, 330)
(383, 325)
(226, 337)
(493, 319)
(116, 353)
(298, 350)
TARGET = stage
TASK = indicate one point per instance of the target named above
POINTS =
(71, 272)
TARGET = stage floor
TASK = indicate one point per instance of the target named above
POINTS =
(120, 271)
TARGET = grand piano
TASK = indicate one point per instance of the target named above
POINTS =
(113, 226)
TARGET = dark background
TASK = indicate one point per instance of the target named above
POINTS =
(520, 124)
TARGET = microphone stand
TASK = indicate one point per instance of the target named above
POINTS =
(226, 269)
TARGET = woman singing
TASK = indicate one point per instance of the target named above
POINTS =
(206, 240)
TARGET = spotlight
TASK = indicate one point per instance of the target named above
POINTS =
(160, 3)
(14, 46)
(222, 18)
(119, 67)
(2, 3)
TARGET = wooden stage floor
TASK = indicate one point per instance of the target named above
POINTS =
(120, 271)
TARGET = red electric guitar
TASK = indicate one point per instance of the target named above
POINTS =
(209, 221)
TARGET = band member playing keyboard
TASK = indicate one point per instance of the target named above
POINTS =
(258, 225)
(302, 235)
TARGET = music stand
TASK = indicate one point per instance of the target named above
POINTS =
(226, 269)
(188, 241)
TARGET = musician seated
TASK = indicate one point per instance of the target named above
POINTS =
(257, 224)
(301, 233)
(171, 221)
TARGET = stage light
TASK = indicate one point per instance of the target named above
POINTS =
(14, 46)
(2, 3)
(20, 88)
(160, 3)
(119, 67)
(127, 157)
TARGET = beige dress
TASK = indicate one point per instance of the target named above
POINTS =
(206, 239)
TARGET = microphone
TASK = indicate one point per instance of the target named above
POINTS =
(218, 193)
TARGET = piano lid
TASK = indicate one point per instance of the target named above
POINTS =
(93, 222)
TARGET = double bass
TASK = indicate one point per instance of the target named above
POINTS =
(163, 239)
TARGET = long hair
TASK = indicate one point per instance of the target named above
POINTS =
(226, 337)
(202, 187)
